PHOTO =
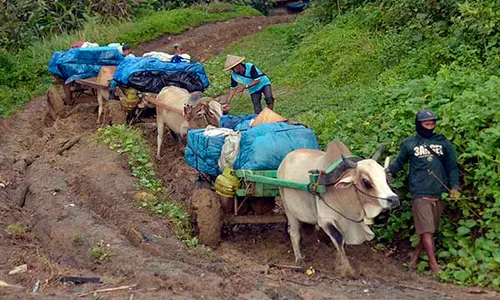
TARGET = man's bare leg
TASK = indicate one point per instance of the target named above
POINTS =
(428, 243)
(415, 257)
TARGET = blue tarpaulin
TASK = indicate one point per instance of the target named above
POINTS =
(81, 63)
(263, 147)
(203, 152)
(150, 74)
(235, 122)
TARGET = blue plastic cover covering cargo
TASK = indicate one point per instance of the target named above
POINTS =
(244, 125)
(149, 74)
(203, 152)
(263, 147)
(229, 121)
(81, 63)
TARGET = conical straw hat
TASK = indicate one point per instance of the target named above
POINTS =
(267, 116)
(231, 61)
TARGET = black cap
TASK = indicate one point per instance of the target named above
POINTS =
(126, 47)
(426, 115)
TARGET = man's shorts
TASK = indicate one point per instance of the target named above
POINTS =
(426, 215)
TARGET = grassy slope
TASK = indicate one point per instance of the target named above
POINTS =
(362, 87)
(24, 75)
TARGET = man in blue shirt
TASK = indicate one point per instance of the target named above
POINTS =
(248, 76)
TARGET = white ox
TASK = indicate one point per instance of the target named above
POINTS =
(179, 111)
(356, 192)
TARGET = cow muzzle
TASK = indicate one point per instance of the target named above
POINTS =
(393, 201)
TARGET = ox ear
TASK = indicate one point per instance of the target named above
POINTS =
(346, 181)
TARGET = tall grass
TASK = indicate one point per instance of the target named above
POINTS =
(23, 75)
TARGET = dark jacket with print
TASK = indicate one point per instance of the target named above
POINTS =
(423, 164)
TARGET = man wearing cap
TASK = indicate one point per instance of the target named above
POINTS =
(248, 76)
(433, 170)
(179, 55)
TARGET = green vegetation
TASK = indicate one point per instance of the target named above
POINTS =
(127, 140)
(24, 75)
(101, 252)
(16, 228)
(361, 76)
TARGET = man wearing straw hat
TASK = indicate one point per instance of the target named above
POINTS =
(248, 76)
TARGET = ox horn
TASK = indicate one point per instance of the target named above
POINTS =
(387, 162)
(350, 163)
(378, 152)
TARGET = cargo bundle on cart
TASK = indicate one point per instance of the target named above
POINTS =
(105, 72)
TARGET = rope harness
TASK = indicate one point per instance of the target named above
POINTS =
(312, 188)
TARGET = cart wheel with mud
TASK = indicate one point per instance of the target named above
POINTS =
(249, 197)
(208, 214)
(57, 107)
(115, 113)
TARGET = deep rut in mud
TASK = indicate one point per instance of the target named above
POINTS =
(60, 214)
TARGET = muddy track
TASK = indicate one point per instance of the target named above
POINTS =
(66, 205)
(209, 39)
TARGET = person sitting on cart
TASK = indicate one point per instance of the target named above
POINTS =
(127, 51)
(248, 76)
(180, 55)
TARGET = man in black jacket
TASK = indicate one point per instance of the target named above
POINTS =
(433, 168)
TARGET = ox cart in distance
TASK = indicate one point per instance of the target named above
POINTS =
(129, 99)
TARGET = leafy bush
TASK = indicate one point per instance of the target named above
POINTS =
(361, 79)
(218, 7)
(261, 5)
(25, 21)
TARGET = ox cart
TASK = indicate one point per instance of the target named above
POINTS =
(89, 87)
(245, 197)
(76, 72)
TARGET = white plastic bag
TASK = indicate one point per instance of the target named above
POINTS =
(230, 150)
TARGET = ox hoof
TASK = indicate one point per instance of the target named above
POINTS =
(299, 261)
(347, 271)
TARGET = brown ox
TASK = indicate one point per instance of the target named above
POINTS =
(103, 78)
(355, 192)
(179, 111)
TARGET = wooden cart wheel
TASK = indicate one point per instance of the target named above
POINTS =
(69, 100)
(116, 112)
(207, 208)
(56, 103)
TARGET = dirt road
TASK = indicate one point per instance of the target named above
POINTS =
(57, 209)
